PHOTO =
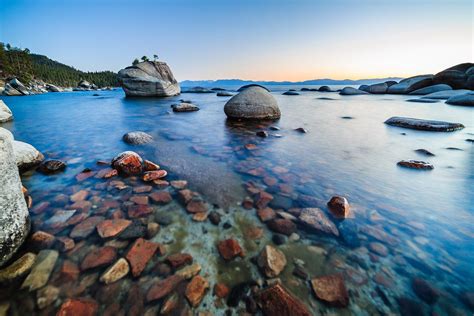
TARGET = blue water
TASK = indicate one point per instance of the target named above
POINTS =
(428, 213)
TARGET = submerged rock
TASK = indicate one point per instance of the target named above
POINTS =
(351, 91)
(196, 289)
(14, 217)
(26, 155)
(422, 100)
(315, 219)
(116, 272)
(276, 300)
(80, 306)
(425, 291)
(252, 103)
(324, 89)
(18, 268)
(408, 85)
(424, 125)
(431, 89)
(41, 270)
(271, 261)
(466, 99)
(149, 79)
(424, 152)
(378, 88)
(331, 290)
(137, 138)
(290, 93)
(5, 113)
(229, 249)
(282, 226)
(224, 94)
(415, 164)
(184, 107)
(51, 166)
(139, 254)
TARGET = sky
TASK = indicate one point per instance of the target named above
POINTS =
(248, 39)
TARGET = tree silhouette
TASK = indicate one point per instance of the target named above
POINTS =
(144, 58)
(155, 57)
(136, 61)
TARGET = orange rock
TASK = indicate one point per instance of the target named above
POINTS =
(154, 175)
(339, 207)
(129, 163)
(200, 217)
(150, 166)
(79, 196)
(262, 199)
(112, 227)
(135, 211)
(266, 214)
(139, 255)
(196, 289)
(229, 249)
(196, 206)
(42, 240)
(99, 257)
(331, 290)
(78, 307)
(161, 197)
(139, 199)
(163, 288)
(69, 271)
(178, 260)
(221, 290)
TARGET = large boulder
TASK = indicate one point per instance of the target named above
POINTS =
(26, 156)
(53, 88)
(14, 218)
(466, 99)
(252, 103)
(408, 85)
(458, 77)
(84, 84)
(137, 138)
(431, 89)
(446, 94)
(378, 88)
(351, 91)
(5, 113)
(149, 79)
(252, 85)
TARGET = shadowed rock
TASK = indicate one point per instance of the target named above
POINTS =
(352, 91)
(466, 99)
(431, 89)
(424, 125)
(408, 85)
(444, 95)
(460, 76)
(276, 300)
(5, 113)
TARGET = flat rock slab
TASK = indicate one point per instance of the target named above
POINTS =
(18, 268)
(331, 290)
(415, 164)
(41, 270)
(424, 125)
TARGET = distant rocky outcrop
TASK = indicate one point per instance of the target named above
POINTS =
(14, 218)
(352, 91)
(408, 85)
(149, 79)
(253, 102)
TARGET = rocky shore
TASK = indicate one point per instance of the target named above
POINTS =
(14, 87)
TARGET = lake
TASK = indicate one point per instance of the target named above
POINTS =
(407, 225)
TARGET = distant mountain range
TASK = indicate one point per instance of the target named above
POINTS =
(237, 82)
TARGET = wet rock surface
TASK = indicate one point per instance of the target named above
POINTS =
(137, 138)
(424, 125)
(331, 290)
(415, 164)
(276, 300)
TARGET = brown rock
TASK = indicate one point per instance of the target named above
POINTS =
(78, 307)
(161, 184)
(46, 296)
(179, 184)
(84, 175)
(79, 196)
(247, 203)
(111, 173)
(170, 303)
(112, 227)
(262, 199)
(136, 210)
(271, 261)
(40, 208)
(139, 255)
(276, 300)
(331, 290)
(64, 244)
(139, 199)
(163, 288)
(154, 175)
(152, 229)
(196, 289)
(196, 206)
(339, 207)
(186, 195)
(189, 271)
(221, 290)
(200, 217)
(42, 240)
(229, 249)
(99, 257)
(178, 260)
(161, 197)
(86, 227)
(117, 271)
(150, 166)
(282, 226)
(69, 271)
(378, 248)
(129, 163)
(266, 214)
(425, 291)
(142, 189)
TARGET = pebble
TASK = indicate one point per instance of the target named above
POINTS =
(18, 268)
(116, 272)
(41, 270)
